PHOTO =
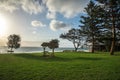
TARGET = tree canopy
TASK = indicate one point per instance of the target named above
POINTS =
(91, 23)
(53, 44)
(73, 35)
(111, 19)
(13, 41)
(44, 45)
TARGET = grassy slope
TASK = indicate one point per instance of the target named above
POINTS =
(65, 66)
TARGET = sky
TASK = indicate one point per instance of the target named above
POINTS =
(38, 21)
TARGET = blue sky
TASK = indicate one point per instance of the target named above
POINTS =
(37, 21)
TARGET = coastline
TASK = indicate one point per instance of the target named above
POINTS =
(39, 50)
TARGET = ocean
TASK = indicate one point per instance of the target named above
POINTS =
(37, 49)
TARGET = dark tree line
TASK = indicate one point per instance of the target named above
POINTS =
(103, 20)
(101, 24)
(111, 19)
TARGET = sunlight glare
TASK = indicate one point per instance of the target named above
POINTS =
(3, 25)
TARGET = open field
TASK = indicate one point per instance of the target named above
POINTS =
(65, 66)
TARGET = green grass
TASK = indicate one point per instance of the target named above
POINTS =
(65, 66)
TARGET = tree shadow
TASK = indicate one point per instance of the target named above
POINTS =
(89, 58)
(41, 58)
(117, 54)
(55, 58)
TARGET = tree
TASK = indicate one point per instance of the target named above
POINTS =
(105, 39)
(53, 44)
(112, 20)
(91, 26)
(73, 35)
(13, 42)
(44, 45)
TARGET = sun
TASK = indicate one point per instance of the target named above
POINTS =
(3, 25)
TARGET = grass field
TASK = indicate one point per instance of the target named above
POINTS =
(65, 66)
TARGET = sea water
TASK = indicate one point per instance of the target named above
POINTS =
(37, 49)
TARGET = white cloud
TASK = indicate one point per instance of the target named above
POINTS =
(58, 25)
(36, 23)
(9, 5)
(69, 8)
(32, 6)
(51, 15)
(29, 6)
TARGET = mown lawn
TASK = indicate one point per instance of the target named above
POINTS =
(65, 66)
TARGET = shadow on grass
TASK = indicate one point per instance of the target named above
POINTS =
(41, 58)
(117, 54)
(88, 58)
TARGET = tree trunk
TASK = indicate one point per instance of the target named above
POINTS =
(11, 50)
(52, 52)
(76, 49)
(75, 46)
(113, 42)
(44, 52)
(113, 34)
(92, 45)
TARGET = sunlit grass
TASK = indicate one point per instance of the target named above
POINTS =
(65, 66)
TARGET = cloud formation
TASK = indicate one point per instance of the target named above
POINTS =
(51, 15)
(29, 6)
(36, 23)
(32, 6)
(68, 8)
(58, 25)
(9, 5)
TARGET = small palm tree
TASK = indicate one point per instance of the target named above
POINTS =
(13, 42)
(44, 45)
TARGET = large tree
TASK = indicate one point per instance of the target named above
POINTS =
(13, 42)
(73, 35)
(44, 45)
(105, 39)
(53, 44)
(91, 26)
(112, 19)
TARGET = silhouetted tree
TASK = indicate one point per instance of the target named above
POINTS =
(44, 45)
(73, 35)
(91, 27)
(53, 44)
(112, 19)
(13, 42)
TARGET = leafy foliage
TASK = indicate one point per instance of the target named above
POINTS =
(91, 24)
(111, 19)
(44, 45)
(53, 44)
(73, 35)
(13, 41)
